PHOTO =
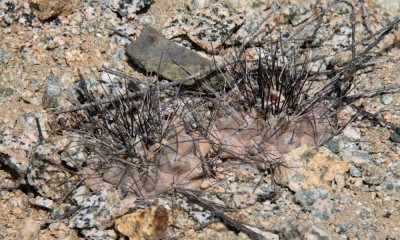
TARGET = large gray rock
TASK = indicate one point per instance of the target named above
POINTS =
(154, 53)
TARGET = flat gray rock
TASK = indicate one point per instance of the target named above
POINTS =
(154, 53)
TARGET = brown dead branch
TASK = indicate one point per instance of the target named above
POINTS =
(239, 226)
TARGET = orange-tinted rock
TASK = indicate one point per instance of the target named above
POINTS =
(149, 223)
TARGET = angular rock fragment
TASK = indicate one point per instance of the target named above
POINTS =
(149, 223)
(128, 7)
(53, 90)
(102, 209)
(154, 53)
(46, 175)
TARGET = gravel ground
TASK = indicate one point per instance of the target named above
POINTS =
(348, 189)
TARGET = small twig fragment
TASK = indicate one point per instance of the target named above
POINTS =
(231, 222)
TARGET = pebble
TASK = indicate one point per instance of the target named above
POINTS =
(300, 229)
(357, 157)
(43, 202)
(201, 217)
(355, 172)
(52, 92)
(395, 137)
(386, 99)
(351, 133)
(5, 57)
(29, 229)
(307, 197)
(128, 8)
(93, 234)
(17, 211)
(90, 14)
(146, 20)
(74, 155)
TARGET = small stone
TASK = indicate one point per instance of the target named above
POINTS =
(5, 93)
(146, 20)
(52, 92)
(94, 233)
(207, 183)
(81, 195)
(354, 183)
(299, 229)
(149, 223)
(5, 57)
(61, 231)
(29, 229)
(386, 99)
(351, 133)
(17, 211)
(90, 14)
(198, 4)
(357, 157)
(75, 154)
(395, 137)
(340, 181)
(336, 144)
(242, 200)
(201, 217)
(374, 180)
(355, 172)
(42, 202)
(307, 197)
(128, 8)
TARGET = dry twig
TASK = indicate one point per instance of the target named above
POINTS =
(231, 222)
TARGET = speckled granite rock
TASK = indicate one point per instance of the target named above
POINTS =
(74, 155)
(46, 174)
(101, 209)
(128, 8)
(45, 9)
(307, 197)
(154, 53)
(209, 28)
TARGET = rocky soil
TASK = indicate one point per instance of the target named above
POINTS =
(347, 189)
